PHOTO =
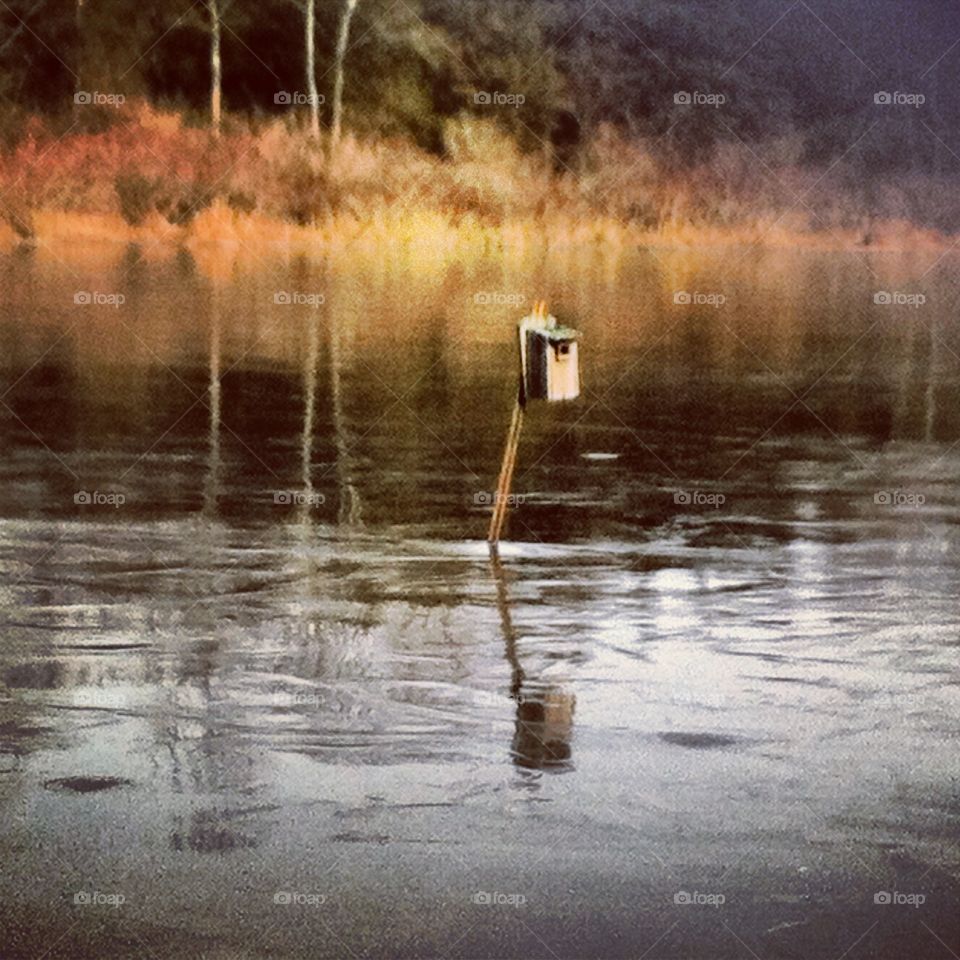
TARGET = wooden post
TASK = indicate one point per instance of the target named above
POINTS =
(506, 473)
(505, 480)
(216, 70)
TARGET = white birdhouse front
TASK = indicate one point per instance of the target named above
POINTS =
(550, 358)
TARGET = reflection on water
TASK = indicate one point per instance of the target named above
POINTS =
(544, 722)
(721, 633)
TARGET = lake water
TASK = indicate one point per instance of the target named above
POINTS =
(264, 694)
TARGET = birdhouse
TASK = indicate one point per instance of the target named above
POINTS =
(549, 370)
(549, 356)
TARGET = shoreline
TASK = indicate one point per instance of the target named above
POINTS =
(429, 232)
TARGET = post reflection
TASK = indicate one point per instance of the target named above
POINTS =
(543, 727)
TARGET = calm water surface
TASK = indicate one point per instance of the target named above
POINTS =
(259, 677)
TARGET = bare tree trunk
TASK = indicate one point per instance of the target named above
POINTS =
(343, 35)
(215, 69)
(311, 70)
(78, 86)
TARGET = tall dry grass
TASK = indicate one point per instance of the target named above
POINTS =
(148, 176)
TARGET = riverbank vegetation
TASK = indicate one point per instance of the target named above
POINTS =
(554, 120)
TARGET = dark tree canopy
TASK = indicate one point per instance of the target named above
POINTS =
(799, 79)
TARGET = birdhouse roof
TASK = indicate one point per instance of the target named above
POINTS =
(548, 328)
(558, 333)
